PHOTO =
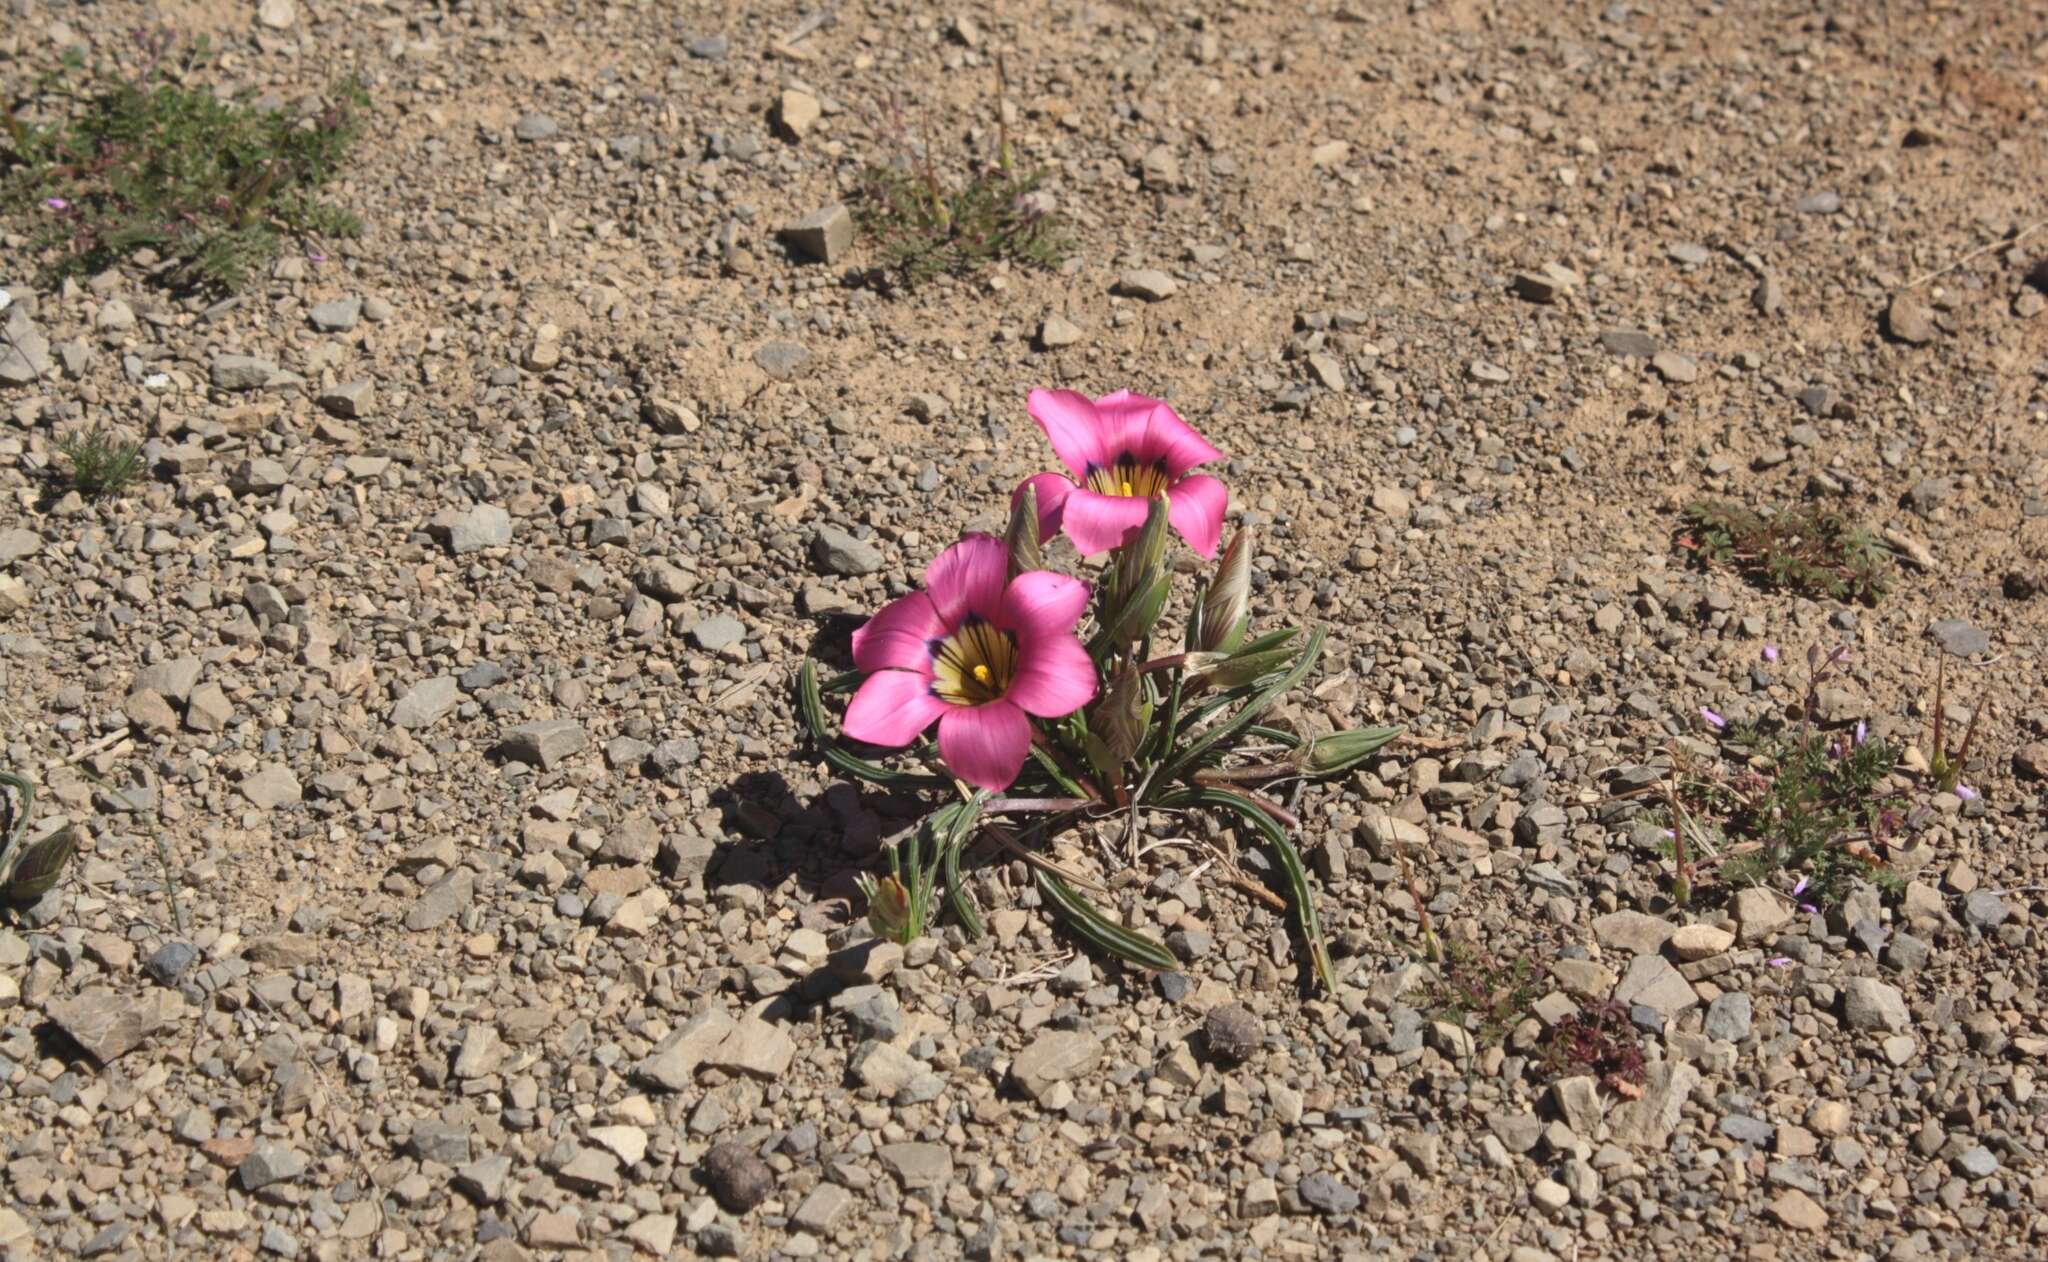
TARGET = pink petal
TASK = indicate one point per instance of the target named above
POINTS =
(891, 708)
(1076, 432)
(1098, 522)
(899, 636)
(1123, 419)
(1195, 508)
(1055, 677)
(1162, 435)
(1052, 489)
(1041, 603)
(968, 578)
(985, 744)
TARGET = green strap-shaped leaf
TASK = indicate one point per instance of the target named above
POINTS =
(1300, 896)
(811, 706)
(37, 871)
(1098, 930)
(1187, 758)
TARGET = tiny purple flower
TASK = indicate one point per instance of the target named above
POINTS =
(1714, 720)
(314, 256)
(1779, 961)
(1809, 909)
(1966, 793)
(1862, 732)
(1800, 888)
(1770, 652)
(56, 203)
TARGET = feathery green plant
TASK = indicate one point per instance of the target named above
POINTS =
(213, 186)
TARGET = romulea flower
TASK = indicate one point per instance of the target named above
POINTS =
(979, 653)
(1124, 450)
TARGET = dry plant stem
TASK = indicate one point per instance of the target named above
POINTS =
(1430, 945)
(1681, 887)
(1978, 253)
(1002, 837)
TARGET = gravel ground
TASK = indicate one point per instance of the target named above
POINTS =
(445, 658)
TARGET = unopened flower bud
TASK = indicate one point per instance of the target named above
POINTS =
(1227, 604)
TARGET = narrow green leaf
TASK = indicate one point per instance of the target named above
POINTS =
(1187, 757)
(811, 706)
(37, 871)
(1300, 896)
(1341, 751)
(1098, 930)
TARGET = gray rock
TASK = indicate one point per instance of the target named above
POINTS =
(104, 1022)
(20, 543)
(271, 786)
(1985, 910)
(781, 360)
(718, 631)
(1652, 981)
(267, 1163)
(1148, 283)
(1869, 1004)
(737, 1176)
(350, 400)
(1630, 343)
(434, 1140)
(24, 351)
(1326, 1196)
(918, 1166)
(1959, 637)
(672, 1065)
(1647, 1122)
(1057, 331)
(1825, 202)
(168, 962)
(1055, 1056)
(1769, 295)
(709, 47)
(1976, 1162)
(484, 1179)
(442, 901)
(260, 476)
(1728, 1017)
(338, 316)
(242, 372)
(536, 127)
(837, 552)
(825, 235)
(484, 526)
(427, 703)
(545, 743)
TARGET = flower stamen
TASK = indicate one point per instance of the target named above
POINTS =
(975, 664)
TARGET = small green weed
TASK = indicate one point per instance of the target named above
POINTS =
(925, 226)
(212, 186)
(28, 870)
(1802, 801)
(102, 462)
(1486, 995)
(1808, 549)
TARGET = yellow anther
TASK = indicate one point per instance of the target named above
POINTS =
(1127, 488)
(981, 673)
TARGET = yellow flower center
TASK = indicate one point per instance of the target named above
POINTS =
(975, 664)
(1129, 479)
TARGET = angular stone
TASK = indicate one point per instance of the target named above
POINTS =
(1869, 1004)
(104, 1023)
(837, 552)
(1647, 1122)
(821, 1211)
(672, 1065)
(545, 743)
(1698, 942)
(1147, 283)
(1758, 914)
(781, 360)
(797, 112)
(350, 400)
(1055, 1056)
(1056, 332)
(270, 787)
(1630, 343)
(1797, 1210)
(442, 901)
(427, 702)
(1652, 981)
(338, 316)
(484, 526)
(825, 235)
(267, 1163)
(754, 1047)
(918, 1166)
(242, 372)
(1633, 931)
(1908, 319)
(484, 1179)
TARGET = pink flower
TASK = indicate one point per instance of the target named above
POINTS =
(1770, 652)
(1966, 793)
(56, 203)
(978, 652)
(1124, 451)
(1713, 720)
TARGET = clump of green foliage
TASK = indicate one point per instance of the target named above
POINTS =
(1600, 1040)
(213, 186)
(924, 225)
(1808, 549)
(1805, 803)
(102, 462)
(1488, 996)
